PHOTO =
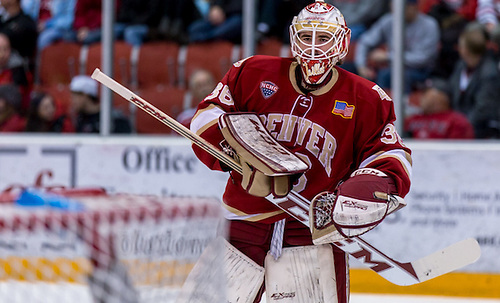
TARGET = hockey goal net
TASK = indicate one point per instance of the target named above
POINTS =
(88, 246)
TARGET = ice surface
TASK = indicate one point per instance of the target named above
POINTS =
(13, 292)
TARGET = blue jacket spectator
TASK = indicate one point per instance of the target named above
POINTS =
(136, 18)
(224, 22)
(420, 50)
(58, 25)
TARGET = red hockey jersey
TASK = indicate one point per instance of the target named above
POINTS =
(445, 125)
(345, 125)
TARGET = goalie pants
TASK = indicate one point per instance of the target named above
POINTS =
(254, 240)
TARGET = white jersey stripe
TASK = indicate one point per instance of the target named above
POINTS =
(231, 213)
(400, 154)
(205, 117)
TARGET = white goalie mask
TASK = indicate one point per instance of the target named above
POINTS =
(319, 39)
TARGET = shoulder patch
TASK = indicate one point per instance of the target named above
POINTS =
(268, 88)
(343, 109)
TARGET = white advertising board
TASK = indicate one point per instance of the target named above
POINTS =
(454, 195)
(165, 167)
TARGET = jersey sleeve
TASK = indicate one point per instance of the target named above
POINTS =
(205, 121)
(379, 145)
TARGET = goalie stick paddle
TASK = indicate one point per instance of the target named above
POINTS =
(441, 262)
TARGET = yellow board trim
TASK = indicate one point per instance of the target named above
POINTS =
(142, 272)
(473, 285)
(43, 269)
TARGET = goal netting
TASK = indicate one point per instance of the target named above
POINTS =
(89, 246)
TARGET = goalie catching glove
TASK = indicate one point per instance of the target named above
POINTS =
(355, 207)
(268, 167)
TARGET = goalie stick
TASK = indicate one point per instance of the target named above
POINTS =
(436, 264)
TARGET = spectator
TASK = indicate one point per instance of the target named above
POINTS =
(488, 13)
(452, 16)
(20, 28)
(360, 14)
(224, 22)
(489, 16)
(201, 84)
(178, 16)
(87, 23)
(420, 48)
(136, 18)
(475, 83)
(86, 108)
(495, 39)
(451, 11)
(14, 71)
(11, 119)
(438, 120)
(54, 19)
(42, 116)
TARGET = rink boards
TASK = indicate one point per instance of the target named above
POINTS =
(454, 194)
(458, 284)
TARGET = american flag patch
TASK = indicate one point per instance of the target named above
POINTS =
(267, 88)
(343, 109)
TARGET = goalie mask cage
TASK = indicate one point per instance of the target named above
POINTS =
(117, 248)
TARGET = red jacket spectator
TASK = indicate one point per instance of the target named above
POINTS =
(43, 116)
(87, 14)
(444, 125)
(87, 22)
(13, 70)
(14, 123)
(10, 104)
(438, 120)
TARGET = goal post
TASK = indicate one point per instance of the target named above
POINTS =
(98, 247)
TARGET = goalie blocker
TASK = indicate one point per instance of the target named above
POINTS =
(268, 167)
(362, 201)
(355, 207)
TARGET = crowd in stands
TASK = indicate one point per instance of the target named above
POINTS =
(373, 51)
(451, 57)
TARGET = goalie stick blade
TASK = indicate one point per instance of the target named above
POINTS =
(431, 266)
(447, 260)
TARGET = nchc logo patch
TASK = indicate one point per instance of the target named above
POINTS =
(343, 109)
(267, 88)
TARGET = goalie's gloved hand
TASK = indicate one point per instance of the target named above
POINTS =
(257, 183)
(362, 201)
(267, 166)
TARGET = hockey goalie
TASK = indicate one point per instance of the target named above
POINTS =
(307, 125)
